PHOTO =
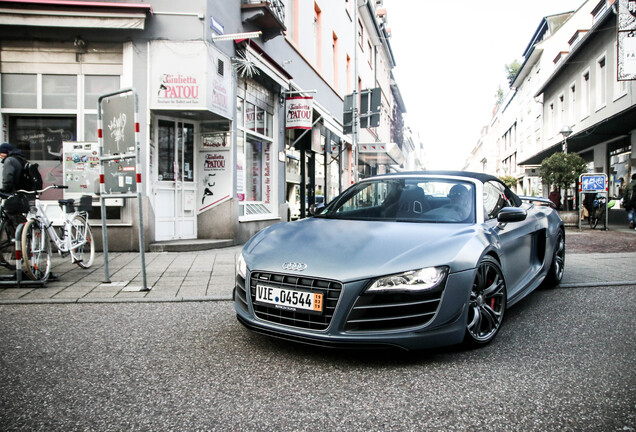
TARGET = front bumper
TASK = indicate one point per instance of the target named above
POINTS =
(446, 327)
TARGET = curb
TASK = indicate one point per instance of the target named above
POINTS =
(116, 300)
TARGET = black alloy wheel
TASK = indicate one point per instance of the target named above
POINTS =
(557, 268)
(487, 303)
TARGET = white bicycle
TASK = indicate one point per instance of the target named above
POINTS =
(76, 236)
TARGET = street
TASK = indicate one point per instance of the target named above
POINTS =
(564, 360)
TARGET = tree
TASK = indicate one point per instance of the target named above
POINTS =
(509, 181)
(499, 96)
(562, 170)
(512, 70)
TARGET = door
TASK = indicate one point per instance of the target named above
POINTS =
(175, 189)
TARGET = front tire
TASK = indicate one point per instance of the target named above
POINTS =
(557, 267)
(84, 255)
(36, 251)
(7, 244)
(488, 300)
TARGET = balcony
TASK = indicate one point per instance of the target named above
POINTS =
(267, 15)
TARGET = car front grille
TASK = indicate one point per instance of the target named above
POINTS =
(330, 289)
(388, 311)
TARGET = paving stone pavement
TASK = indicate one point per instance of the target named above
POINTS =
(170, 276)
(593, 258)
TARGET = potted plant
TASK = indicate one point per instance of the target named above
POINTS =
(563, 170)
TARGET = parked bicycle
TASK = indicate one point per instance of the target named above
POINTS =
(597, 211)
(75, 238)
(12, 210)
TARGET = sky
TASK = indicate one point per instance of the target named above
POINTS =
(450, 60)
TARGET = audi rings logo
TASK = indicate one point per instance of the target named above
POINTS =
(294, 266)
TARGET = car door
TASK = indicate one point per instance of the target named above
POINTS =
(516, 239)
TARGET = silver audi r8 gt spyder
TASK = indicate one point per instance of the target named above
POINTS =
(411, 260)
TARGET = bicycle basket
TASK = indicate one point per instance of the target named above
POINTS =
(85, 203)
(17, 203)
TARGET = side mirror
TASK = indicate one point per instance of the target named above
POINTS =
(511, 214)
(315, 209)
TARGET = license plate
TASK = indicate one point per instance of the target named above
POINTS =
(287, 299)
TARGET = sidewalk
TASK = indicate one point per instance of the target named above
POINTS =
(172, 276)
(593, 258)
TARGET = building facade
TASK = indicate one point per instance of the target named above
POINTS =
(213, 82)
(568, 81)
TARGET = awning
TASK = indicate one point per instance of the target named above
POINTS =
(381, 153)
(74, 14)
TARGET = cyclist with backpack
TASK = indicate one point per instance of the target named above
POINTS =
(13, 164)
(18, 173)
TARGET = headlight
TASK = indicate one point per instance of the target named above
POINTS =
(412, 281)
(241, 267)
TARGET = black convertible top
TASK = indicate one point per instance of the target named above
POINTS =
(482, 177)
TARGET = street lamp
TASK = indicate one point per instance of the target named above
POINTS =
(566, 131)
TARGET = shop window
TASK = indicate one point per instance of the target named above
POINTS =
(250, 117)
(40, 139)
(19, 90)
(59, 91)
(254, 165)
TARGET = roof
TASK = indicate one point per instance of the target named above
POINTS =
(576, 49)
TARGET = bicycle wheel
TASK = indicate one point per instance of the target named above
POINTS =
(81, 232)
(7, 244)
(597, 217)
(36, 250)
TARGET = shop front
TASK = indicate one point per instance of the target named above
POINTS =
(190, 158)
(317, 158)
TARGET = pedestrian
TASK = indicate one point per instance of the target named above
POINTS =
(621, 187)
(555, 197)
(629, 201)
(13, 164)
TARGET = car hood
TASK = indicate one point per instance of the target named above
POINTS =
(349, 250)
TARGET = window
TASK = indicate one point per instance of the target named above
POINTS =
(370, 53)
(572, 104)
(254, 160)
(560, 111)
(334, 50)
(348, 74)
(59, 91)
(585, 94)
(291, 17)
(66, 111)
(317, 36)
(360, 35)
(601, 83)
(494, 199)
(19, 90)
(551, 120)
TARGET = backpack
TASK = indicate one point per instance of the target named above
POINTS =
(31, 179)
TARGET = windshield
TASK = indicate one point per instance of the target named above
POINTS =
(435, 200)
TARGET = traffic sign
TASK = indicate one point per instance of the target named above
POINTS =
(593, 182)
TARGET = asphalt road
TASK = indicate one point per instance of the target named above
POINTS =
(563, 361)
